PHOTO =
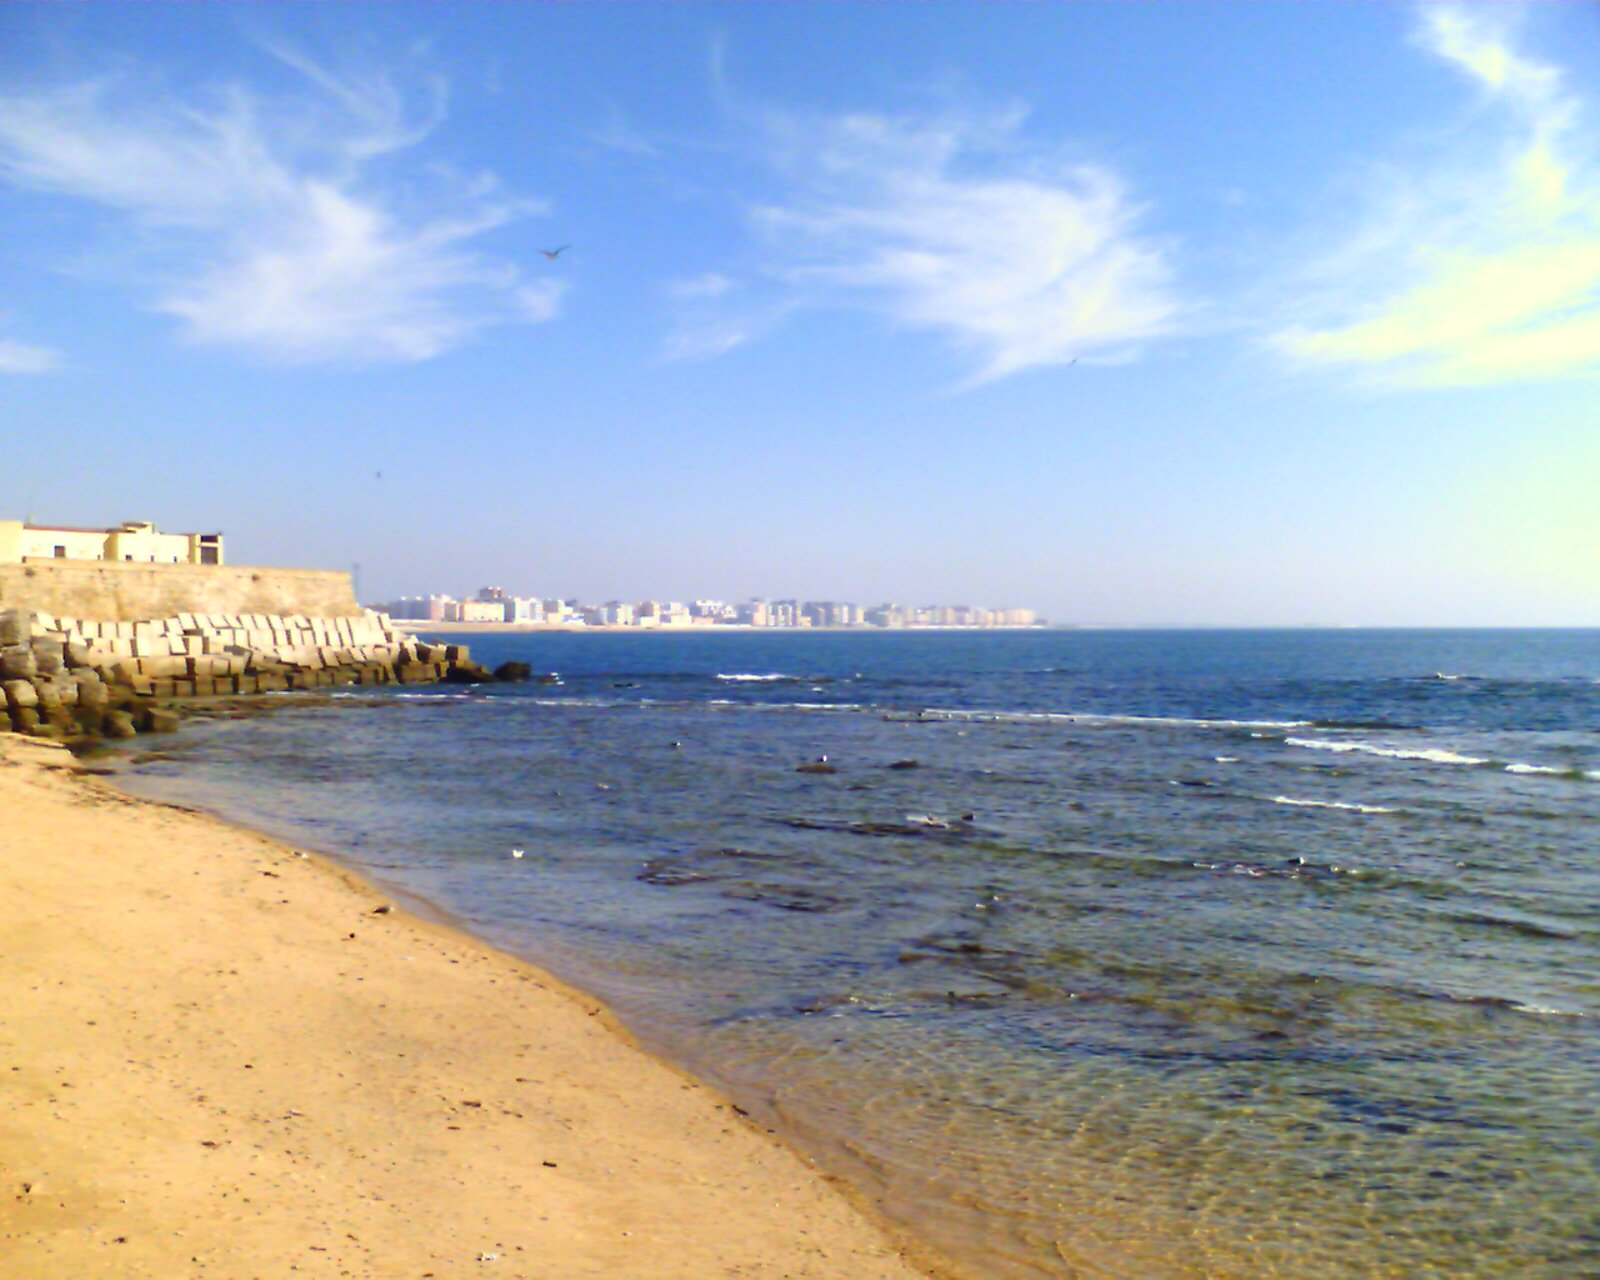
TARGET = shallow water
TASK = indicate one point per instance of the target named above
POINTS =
(1259, 953)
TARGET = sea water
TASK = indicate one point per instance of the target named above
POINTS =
(1087, 953)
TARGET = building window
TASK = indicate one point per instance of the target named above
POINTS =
(127, 557)
(60, 552)
(208, 554)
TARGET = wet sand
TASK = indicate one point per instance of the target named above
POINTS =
(220, 1057)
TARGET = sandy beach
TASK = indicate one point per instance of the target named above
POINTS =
(222, 1057)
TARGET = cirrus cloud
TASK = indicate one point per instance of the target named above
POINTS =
(952, 225)
(1470, 272)
(24, 357)
(295, 226)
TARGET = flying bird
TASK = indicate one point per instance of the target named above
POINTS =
(553, 254)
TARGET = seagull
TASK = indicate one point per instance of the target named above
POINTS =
(553, 254)
(517, 853)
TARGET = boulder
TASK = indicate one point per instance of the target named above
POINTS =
(118, 724)
(15, 627)
(467, 673)
(513, 671)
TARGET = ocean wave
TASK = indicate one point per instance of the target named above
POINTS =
(1099, 718)
(770, 677)
(1433, 755)
(1556, 771)
(1545, 1011)
(1333, 804)
(1392, 726)
(1441, 755)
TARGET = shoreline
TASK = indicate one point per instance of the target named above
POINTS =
(223, 1056)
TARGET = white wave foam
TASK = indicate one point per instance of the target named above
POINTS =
(1437, 755)
(1433, 755)
(746, 677)
(1553, 770)
(1333, 804)
(1094, 718)
(1545, 1011)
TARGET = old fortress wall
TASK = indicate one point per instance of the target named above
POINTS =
(118, 591)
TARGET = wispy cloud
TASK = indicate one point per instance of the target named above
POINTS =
(289, 225)
(23, 357)
(1475, 272)
(954, 225)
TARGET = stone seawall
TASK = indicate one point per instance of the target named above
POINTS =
(62, 677)
(117, 591)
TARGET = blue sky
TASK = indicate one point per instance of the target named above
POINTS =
(1133, 313)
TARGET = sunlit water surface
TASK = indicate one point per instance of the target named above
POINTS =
(1266, 953)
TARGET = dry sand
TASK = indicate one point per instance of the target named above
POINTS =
(217, 1059)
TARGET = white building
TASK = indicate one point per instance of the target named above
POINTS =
(137, 541)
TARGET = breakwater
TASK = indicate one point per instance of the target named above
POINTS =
(68, 676)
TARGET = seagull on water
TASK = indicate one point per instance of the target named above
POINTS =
(517, 853)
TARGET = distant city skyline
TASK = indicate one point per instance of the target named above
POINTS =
(495, 604)
(1202, 314)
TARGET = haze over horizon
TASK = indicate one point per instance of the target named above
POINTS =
(1205, 314)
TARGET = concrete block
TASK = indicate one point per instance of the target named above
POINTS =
(16, 627)
(50, 662)
(18, 663)
(93, 694)
(159, 720)
(20, 693)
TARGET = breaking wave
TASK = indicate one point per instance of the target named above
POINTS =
(1333, 804)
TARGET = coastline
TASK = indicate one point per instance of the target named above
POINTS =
(221, 1056)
